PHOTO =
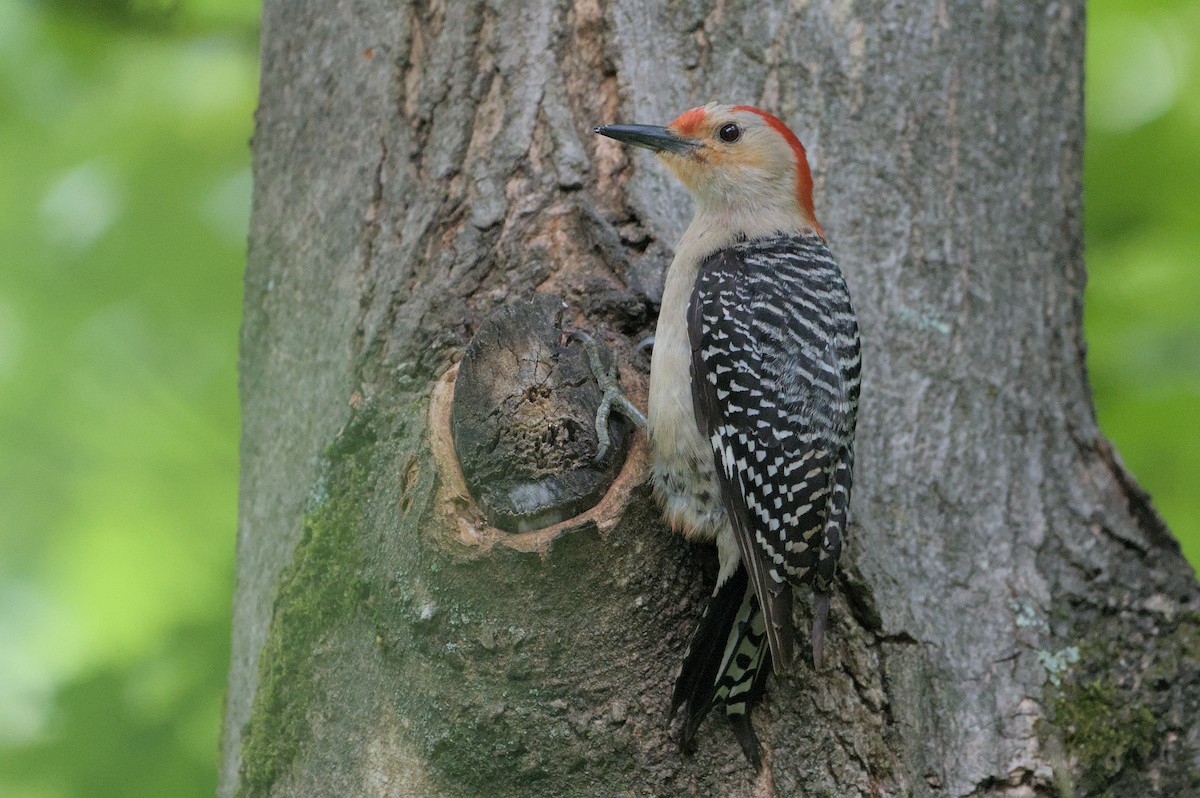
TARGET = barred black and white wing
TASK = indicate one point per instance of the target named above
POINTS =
(775, 380)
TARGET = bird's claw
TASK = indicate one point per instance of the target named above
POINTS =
(611, 396)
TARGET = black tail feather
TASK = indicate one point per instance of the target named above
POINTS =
(731, 627)
(697, 681)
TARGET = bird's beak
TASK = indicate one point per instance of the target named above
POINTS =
(652, 137)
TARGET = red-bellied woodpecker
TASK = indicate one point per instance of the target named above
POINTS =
(754, 387)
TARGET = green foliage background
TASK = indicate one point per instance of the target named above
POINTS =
(124, 193)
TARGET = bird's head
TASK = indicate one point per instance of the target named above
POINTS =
(733, 158)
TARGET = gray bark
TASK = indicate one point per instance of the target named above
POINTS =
(1012, 618)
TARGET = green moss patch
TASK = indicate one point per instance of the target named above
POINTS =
(1123, 712)
(319, 592)
(1105, 731)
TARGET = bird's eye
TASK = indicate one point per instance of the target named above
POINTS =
(730, 133)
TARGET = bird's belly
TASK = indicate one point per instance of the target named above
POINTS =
(688, 491)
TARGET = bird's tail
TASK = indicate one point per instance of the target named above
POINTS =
(725, 666)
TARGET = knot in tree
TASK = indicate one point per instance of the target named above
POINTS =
(523, 420)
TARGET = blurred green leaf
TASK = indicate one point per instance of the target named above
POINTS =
(1142, 167)
(123, 215)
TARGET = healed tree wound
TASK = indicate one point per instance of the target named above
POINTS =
(523, 420)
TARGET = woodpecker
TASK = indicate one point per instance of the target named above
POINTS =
(754, 386)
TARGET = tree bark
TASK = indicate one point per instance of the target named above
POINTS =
(1012, 616)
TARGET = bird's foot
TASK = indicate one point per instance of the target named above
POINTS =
(611, 397)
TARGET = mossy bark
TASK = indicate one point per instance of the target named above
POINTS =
(1012, 619)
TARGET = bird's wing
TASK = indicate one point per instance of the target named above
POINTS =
(774, 383)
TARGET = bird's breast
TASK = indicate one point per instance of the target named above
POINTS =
(685, 478)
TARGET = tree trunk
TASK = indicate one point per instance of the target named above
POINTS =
(1012, 616)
